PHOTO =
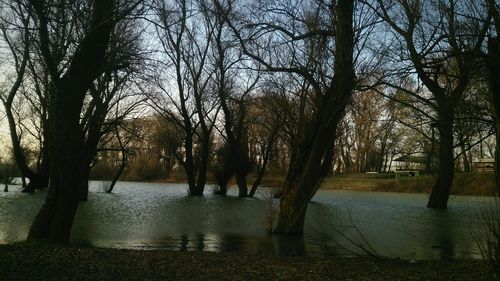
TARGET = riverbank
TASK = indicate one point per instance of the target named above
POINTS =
(472, 184)
(48, 262)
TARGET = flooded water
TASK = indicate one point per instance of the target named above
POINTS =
(161, 216)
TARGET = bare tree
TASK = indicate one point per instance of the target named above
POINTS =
(317, 49)
(15, 28)
(67, 141)
(234, 82)
(440, 40)
(185, 37)
(263, 136)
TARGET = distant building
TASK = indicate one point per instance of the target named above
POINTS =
(484, 165)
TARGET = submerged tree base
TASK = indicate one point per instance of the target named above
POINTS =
(50, 262)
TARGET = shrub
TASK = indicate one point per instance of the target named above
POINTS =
(487, 235)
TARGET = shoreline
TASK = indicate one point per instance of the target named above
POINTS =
(467, 184)
(25, 261)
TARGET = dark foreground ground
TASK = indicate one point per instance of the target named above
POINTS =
(27, 262)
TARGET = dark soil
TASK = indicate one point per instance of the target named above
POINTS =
(49, 262)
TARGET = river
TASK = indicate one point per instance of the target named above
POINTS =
(160, 216)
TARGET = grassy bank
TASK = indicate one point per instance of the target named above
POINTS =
(463, 184)
(25, 262)
(479, 184)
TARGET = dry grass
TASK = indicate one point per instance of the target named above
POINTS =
(463, 184)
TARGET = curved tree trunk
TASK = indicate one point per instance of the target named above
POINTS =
(66, 145)
(118, 173)
(123, 163)
(314, 158)
(258, 181)
(37, 180)
(261, 171)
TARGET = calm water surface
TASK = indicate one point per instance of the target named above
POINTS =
(161, 216)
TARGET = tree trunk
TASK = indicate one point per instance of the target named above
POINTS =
(300, 186)
(123, 163)
(254, 187)
(222, 178)
(39, 180)
(441, 191)
(188, 165)
(83, 189)
(314, 158)
(494, 90)
(291, 218)
(66, 145)
(222, 188)
(260, 175)
(54, 221)
(118, 173)
(19, 157)
(202, 168)
(241, 180)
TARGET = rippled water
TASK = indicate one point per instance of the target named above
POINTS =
(161, 216)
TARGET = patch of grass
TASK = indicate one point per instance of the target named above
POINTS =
(463, 183)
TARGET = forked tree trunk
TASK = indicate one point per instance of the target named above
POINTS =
(442, 187)
(314, 155)
(66, 145)
(37, 180)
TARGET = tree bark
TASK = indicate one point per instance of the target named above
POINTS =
(442, 187)
(66, 145)
(55, 219)
(241, 180)
(314, 158)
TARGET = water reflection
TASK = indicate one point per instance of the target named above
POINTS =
(161, 216)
